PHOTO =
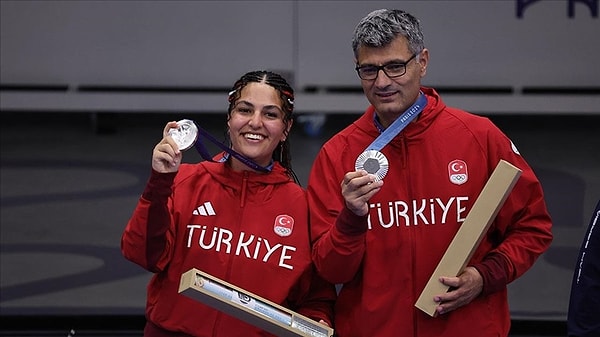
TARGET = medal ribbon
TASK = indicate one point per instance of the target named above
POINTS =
(206, 155)
(400, 123)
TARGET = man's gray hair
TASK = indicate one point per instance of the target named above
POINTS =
(381, 26)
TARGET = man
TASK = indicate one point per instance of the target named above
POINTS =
(583, 319)
(405, 194)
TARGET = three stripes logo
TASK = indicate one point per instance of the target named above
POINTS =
(205, 209)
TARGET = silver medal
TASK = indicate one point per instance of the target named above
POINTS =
(374, 162)
(185, 134)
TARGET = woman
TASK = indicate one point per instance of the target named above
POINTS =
(243, 219)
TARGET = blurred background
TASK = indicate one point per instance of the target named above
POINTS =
(87, 86)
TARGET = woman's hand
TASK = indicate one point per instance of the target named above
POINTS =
(166, 156)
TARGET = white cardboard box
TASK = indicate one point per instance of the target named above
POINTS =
(470, 233)
(249, 307)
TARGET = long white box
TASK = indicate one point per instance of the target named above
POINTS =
(470, 233)
(249, 307)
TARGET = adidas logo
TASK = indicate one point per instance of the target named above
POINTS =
(206, 210)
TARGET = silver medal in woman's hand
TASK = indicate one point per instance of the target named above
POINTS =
(185, 134)
(374, 162)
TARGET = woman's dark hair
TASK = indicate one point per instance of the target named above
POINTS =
(286, 93)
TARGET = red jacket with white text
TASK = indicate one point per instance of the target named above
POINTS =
(246, 228)
(385, 259)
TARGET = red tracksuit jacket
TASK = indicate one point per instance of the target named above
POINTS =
(248, 229)
(412, 220)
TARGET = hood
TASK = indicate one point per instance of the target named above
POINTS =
(413, 130)
(258, 187)
(224, 175)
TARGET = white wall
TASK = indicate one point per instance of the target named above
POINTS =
(211, 43)
(470, 42)
(143, 42)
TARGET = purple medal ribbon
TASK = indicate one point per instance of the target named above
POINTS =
(206, 155)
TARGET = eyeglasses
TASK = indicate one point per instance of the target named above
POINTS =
(392, 70)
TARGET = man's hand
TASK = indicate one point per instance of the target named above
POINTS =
(463, 289)
(357, 188)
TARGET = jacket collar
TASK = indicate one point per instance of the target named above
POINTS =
(413, 130)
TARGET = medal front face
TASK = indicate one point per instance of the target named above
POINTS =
(374, 162)
(185, 134)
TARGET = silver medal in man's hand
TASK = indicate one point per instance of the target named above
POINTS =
(374, 162)
(185, 134)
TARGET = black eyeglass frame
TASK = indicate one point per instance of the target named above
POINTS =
(383, 67)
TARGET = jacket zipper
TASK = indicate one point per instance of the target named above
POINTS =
(406, 168)
(244, 185)
(242, 204)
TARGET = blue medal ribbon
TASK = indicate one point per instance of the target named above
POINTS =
(400, 123)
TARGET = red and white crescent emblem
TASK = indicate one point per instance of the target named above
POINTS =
(457, 172)
(284, 224)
